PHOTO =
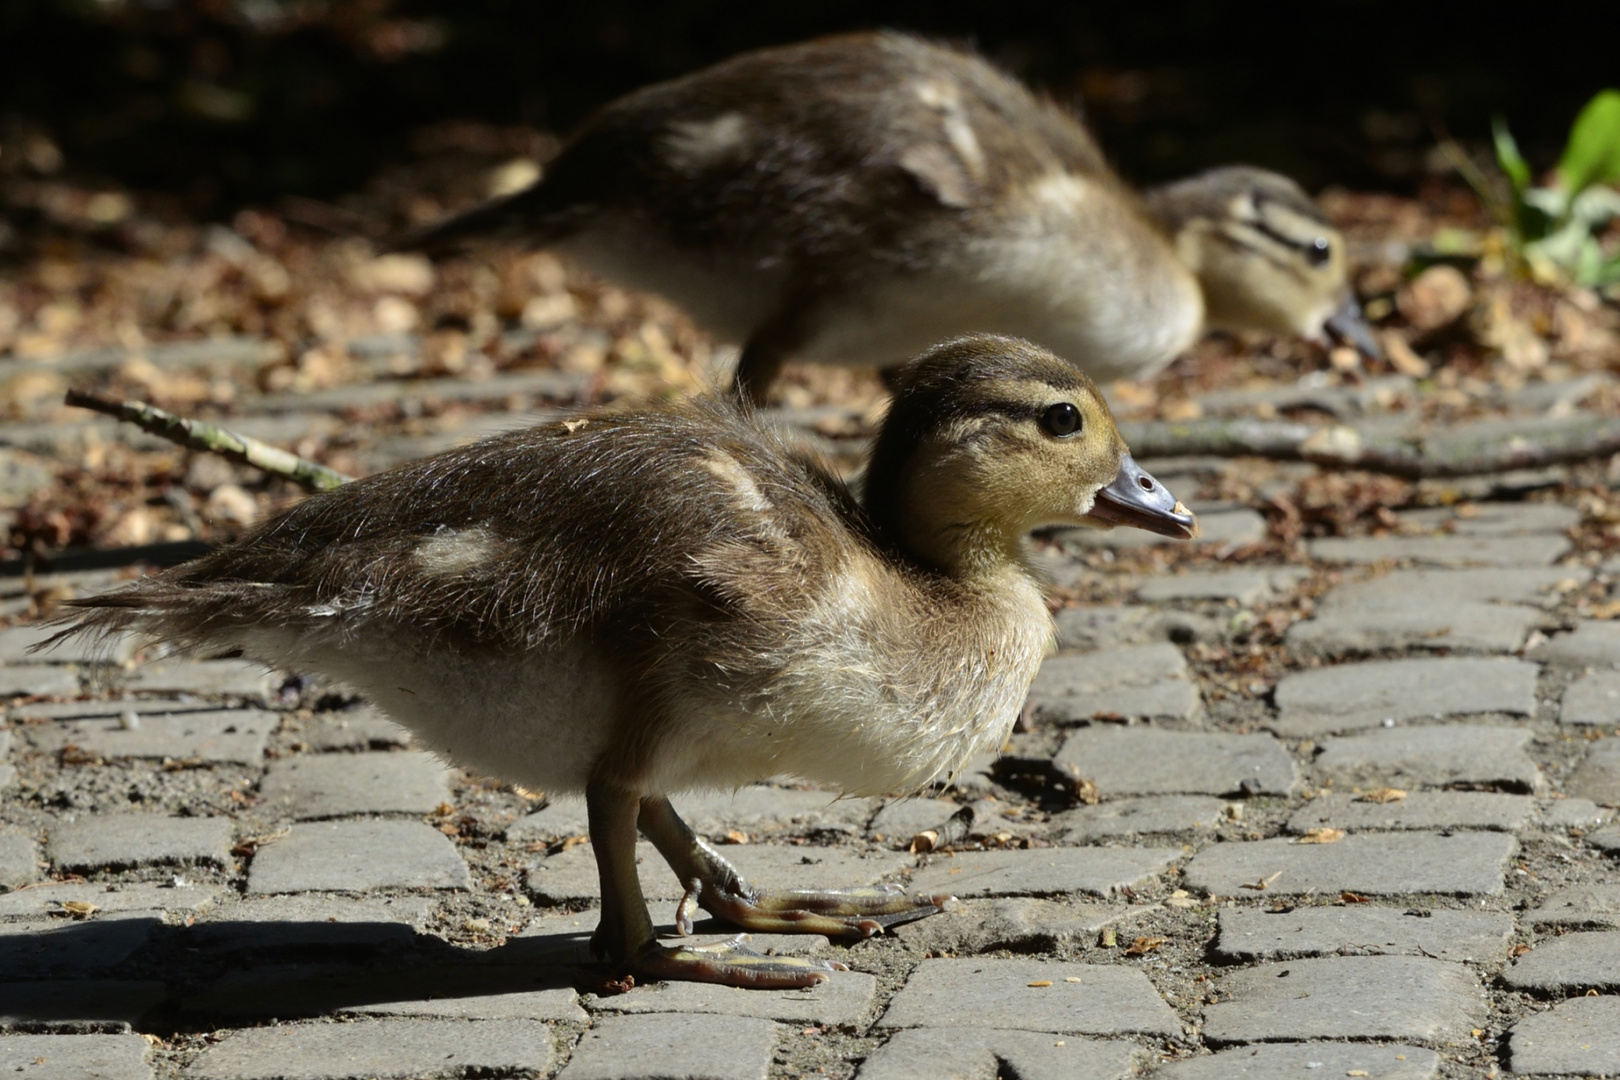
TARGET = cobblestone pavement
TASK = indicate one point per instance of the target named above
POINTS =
(1393, 856)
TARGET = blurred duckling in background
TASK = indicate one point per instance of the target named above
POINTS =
(853, 200)
(635, 604)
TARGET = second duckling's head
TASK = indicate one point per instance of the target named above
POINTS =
(989, 437)
(1265, 255)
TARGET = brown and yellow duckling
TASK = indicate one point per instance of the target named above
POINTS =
(635, 604)
(854, 199)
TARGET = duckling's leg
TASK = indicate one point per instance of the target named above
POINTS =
(625, 933)
(716, 885)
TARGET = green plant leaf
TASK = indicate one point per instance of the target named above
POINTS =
(1509, 159)
(1592, 155)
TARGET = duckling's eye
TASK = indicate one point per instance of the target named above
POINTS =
(1318, 251)
(1061, 420)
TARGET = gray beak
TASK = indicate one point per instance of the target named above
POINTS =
(1136, 499)
(1348, 326)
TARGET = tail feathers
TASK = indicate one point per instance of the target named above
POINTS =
(522, 217)
(190, 618)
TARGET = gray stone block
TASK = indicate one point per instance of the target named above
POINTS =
(843, 999)
(17, 644)
(1436, 755)
(1146, 761)
(311, 786)
(75, 1057)
(1419, 810)
(19, 860)
(758, 810)
(37, 949)
(901, 819)
(1134, 817)
(1099, 871)
(1352, 696)
(941, 1054)
(1606, 840)
(1019, 924)
(1479, 937)
(45, 680)
(1247, 586)
(687, 1047)
(1533, 550)
(1580, 905)
(353, 856)
(990, 993)
(1537, 586)
(1110, 626)
(1574, 962)
(1140, 681)
(1594, 698)
(305, 921)
(1592, 644)
(1377, 864)
(1598, 775)
(1497, 519)
(377, 1049)
(29, 712)
(1290, 1061)
(354, 729)
(234, 736)
(1216, 528)
(210, 678)
(1573, 814)
(1578, 1037)
(1348, 997)
(78, 1002)
(124, 896)
(1452, 625)
(116, 841)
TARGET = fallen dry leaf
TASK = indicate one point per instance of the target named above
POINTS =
(79, 909)
(1264, 883)
(1382, 795)
(1321, 836)
(1041, 982)
(1354, 898)
(1144, 945)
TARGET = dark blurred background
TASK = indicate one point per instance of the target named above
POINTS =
(223, 103)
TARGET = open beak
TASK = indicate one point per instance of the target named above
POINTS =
(1348, 326)
(1135, 498)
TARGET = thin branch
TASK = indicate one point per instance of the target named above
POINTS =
(201, 435)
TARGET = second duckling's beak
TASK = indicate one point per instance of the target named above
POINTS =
(1348, 326)
(1135, 498)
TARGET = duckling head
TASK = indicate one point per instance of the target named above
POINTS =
(989, 437)
(1265, 256)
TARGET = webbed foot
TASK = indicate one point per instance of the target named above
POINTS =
(840, 913)
(730, 963)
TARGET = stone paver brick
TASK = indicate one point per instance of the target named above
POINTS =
(1348, 997)
(1578, 1037)
(130, 896)
(1580, 905)
(686, 1047)
(992, 993)
(1143, 680)
(1145, 761)
(1452, 625)
(17, 642)
(289, 921)
(936, 1054)
(1147, 815)
(1593, 643)
(1441, 933)
(35, 949)
(1594, 698)
(1533, 550)
(757, 809)
(1572, 962)
(1419, 810)
(1351, 696)
(1538, 586)
(1290, 1061)
(354, 729)
(1244, 586)
(378, 1049)
(354, 856)
(901, 819)
(19, 860)
(1598, 775)
(1019, 924)
(312, 786)
(1377, 864)
(1099, 871)
(843, 999)
(1090, 627)
(228, 678)
(454, 996)
(1566, 813)
(1606, 840)
(74, 1057)
(42, 679)
(1498, 519)
(218, 736)
(115, 841)
(1221, 528)
(77, 1001)
(1435, 755)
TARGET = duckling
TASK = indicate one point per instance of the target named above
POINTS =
(853, 199)
(632, 604)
